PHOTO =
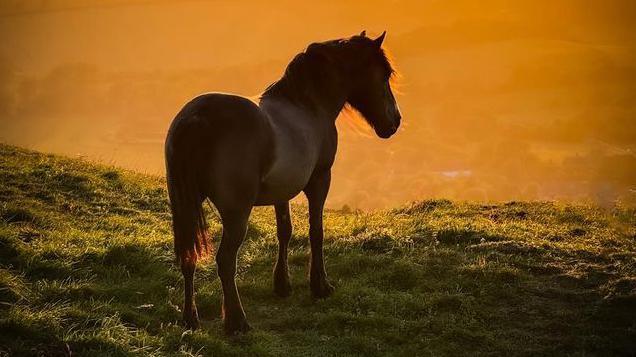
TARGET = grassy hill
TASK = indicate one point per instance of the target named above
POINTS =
(86, 266)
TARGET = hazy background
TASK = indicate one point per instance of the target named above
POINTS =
(502, 100)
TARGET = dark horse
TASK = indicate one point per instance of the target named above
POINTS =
(239, 154)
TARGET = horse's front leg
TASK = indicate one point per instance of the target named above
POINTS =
(316, 192)
(282, 287)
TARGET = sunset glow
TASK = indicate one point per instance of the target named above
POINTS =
(500, 100)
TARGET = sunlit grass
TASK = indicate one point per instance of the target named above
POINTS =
(86, 266)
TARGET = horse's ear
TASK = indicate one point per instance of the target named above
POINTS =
(363, 33)
(378, 41)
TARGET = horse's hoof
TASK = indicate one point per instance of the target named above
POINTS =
(191, 320)
(236, 326)
(282, 287)
(321, 289)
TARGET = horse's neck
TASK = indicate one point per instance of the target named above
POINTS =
(283, 109)
(320, 98)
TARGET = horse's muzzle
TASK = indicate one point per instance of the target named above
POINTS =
(386, 133)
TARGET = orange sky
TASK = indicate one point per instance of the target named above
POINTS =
(501, 99)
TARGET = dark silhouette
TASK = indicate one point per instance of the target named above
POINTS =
(239, 154)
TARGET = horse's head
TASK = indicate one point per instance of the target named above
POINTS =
(371, 91)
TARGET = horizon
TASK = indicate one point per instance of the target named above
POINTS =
(523, 101)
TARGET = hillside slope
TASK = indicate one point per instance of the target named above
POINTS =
(86, 266)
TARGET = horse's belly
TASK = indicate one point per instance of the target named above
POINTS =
(283, 183)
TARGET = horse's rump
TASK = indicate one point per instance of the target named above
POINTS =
(206, 140)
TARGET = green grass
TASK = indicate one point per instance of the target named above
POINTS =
(86, 266)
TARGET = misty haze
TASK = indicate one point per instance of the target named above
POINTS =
(502, 101)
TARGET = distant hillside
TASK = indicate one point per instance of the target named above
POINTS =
(86, 268)
(501, 100)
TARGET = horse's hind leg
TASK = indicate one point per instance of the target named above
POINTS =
(234, 229)
(282, 287)
(190, 315)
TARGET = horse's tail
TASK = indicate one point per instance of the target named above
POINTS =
(191, 239)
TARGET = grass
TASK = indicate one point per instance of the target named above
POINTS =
(86, 267)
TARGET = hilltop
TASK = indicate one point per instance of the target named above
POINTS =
(86, 267)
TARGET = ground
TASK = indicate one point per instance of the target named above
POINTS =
(87, 267)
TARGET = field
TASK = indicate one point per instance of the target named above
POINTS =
(87, 268)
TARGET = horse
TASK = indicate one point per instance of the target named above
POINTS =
(238, 153)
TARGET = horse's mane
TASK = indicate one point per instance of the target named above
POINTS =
(307, 75)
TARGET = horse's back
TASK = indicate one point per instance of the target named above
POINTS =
(215, 117)
(211, 135)
(216, 112)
